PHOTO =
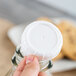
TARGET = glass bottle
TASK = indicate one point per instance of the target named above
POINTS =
(45, 65)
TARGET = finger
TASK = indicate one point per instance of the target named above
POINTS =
(20, 67)
(38, 57)
(42, 74)
(32, 68)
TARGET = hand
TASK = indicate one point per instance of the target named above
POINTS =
(30, 69)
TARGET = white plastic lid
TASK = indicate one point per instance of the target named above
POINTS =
(41, 38)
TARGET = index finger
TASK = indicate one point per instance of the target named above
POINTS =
(20, 67)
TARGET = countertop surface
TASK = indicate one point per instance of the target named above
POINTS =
(6, 47)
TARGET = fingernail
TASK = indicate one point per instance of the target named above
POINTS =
(35, 60)
(29, 59)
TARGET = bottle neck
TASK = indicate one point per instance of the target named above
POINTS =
(44, 64)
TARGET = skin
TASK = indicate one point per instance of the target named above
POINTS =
(30, 69)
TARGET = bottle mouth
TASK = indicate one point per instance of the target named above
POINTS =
(45, 64)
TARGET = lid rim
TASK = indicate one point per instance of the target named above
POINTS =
(58, 33)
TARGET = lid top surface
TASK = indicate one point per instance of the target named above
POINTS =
(43, 37)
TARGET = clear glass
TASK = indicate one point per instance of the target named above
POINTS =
(45, 65)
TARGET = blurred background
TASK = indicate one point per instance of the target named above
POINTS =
(19, 11)
(14, 13)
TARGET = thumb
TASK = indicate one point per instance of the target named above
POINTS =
(32, 68)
